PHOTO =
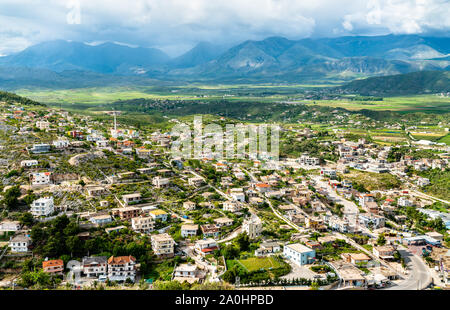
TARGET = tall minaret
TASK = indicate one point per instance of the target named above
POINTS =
(115, 121)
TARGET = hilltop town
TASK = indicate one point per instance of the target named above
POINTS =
(94, 203)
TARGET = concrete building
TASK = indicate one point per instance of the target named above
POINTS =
(189, 230)
(43, 206)
(163, 245)
(252, 227)
(143, 224)
(19, 244)
(299, 254)
(121, 268)
(93, 267)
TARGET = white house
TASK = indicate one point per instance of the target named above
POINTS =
(10, 226)
(328, 172)
(28, 163)
(404, 202)
(41, 178)
(160, 182)
(102, 143)
(19, 244)
(142, 224)
(60, 144)
(121, 268)
(95, 266)
(43, 206)
(299, 254)
(231, 206)
(252, 226)
(186, 271)
(189, 230)
(237, 194)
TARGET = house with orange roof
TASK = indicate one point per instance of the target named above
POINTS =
(54, 266)
(121, 268)
(262, 187)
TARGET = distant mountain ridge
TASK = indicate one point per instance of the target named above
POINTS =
(104, 58)
(422, 82)
(273, 59)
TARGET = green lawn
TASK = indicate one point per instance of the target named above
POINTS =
(256, 263)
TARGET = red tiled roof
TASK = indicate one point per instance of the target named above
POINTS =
(53, 263)
(119, 260)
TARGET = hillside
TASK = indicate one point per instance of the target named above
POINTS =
(422, 82)
(13, 99)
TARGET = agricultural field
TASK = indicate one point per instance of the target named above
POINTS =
(445, 139)
(263, 92)
(422, 103)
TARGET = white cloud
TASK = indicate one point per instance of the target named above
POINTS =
(403, 17)
(175, 25)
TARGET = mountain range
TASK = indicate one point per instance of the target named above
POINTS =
(276, 59)
(421, 82)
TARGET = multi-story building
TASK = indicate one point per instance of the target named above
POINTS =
(371, 220)
(42, 125)
(206, 246)
(232, 206)
(127, 212)
(196, 181)
(60, 144)
(41, 178)
(143, 224)
(210, 230)
(43, 206)
(40, 148)
(163, 245)
(93, 267)
(252, 226)
(299, 254)
(237, 194)
(131, 198)
(54, 266)
(19, 244)
(189, 230)
(158, 215)
(159, 182)
(121, 268)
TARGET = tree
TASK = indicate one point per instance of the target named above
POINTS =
(27, 219)
(10, 199)
(230, 252)
(381, 239)
(74, 245)
(243, 241)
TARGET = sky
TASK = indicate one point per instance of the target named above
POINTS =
(177, 25)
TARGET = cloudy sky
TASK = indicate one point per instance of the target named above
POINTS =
(177, 25)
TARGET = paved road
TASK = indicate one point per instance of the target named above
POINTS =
(231, 236)
(419, 276)
(349, 206)
(420, 194)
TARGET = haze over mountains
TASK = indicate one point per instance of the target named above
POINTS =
(275, 59)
